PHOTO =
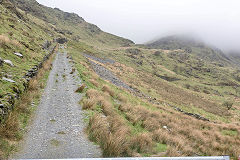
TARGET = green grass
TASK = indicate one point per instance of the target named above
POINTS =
(24, 118)
(229, 132)
(7, 148)
(33, 36)
(160, 147)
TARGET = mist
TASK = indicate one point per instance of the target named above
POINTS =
(217, 22)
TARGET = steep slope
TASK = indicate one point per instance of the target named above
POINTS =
(28, 33)
(71, 25)
(170, 90)
(172, 86)
(22, 40)
(28, 28)
(152, 109)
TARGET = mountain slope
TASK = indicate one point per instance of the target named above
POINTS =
(71, 25)
(192, 46)
(27, 37)
(174, 84)
(26, 31)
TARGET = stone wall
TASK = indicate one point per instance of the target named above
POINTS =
(9, 100)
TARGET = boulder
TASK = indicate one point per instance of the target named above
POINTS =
(9, 62)
(19, 54)
(7, 79)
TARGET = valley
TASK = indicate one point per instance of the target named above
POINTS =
(89, 93)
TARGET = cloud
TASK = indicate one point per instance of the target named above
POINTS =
(215, 21)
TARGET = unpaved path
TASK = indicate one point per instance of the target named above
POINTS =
(58, 127)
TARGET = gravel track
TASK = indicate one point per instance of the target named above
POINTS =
(57, 130)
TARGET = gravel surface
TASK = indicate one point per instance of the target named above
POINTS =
(108, 75)
(104, 73)
(57, 130)
(99, 59)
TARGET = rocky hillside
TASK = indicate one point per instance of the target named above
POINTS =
(70, 25)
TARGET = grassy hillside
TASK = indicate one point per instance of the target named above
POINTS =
(176, 79)
(27, 34)
(170, 75)
(71, 25)
(23, 35)
(192, 46)
(143, 128)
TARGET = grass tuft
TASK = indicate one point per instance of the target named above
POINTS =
(107, 89)
(81, 88)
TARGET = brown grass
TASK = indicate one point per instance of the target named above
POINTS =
(92, 93)
(142, 143)
(33, 84)
(98, 127)
(88, 103)
(107, 108)
(121, 98)
(108, 129)
(4, 40)
(94, 82)
(108, 90)
(81, 88)
(112, 138)
(183, 135)
(10, 127)
(94, 76)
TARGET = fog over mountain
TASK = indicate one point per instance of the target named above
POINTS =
(217, 21)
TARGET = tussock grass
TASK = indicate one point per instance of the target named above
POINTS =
(94, 82)
(81, 88)
(142, 143)
(88, 103)
(121, 98)
(112, 139)
(106, 127)
(33, 84)
(92, 93)
(10, 127)
(185, 135)
(108, 90)
(4, 41)
(98, 127)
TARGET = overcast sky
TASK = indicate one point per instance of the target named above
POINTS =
(215, 21)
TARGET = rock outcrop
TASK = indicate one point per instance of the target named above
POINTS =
(19, 54)
(9, 63)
